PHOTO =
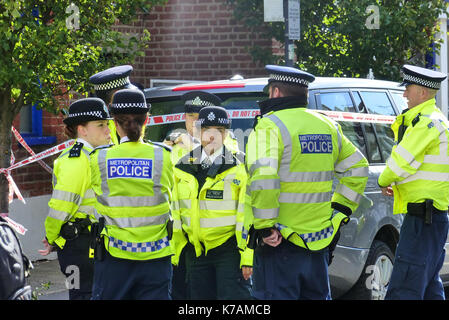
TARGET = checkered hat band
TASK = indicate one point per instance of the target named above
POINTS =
(97, 114)
(117, 83)
(291, 79)
(128, 105)
(422, 82)
(312, 236)
(199, 103)
(139, 247)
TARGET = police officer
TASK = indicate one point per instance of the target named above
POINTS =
(132, 182)
(183, 142)
(208, 202)
(416, 174)
(107, 82)
(293, 154)
(72, 202)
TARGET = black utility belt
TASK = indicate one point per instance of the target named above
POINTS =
(424, 210)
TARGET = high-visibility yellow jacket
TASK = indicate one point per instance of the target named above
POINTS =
(292, 157)
(72, 195)
(113, 129)
(418, 167)
(210, 216)
(133, 182)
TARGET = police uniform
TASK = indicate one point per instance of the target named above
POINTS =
(132, 182)
(108, 81)
(292, 155)
(72, 202)
(208, 204)
(417, 170)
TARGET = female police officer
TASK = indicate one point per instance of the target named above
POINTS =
(132, 182)
(72, 201)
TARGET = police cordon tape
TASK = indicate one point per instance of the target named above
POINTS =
(251, 113)
(154, 121)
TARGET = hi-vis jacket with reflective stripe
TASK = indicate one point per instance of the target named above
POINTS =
(418, 167)
(72, 195)
(292, 157)
(210, 216)
(113, 129)
(133, 182)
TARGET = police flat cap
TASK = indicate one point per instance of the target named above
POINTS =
(214, 116)
(289, 75)
(129, 101)
(112, 78)
(87, 109)
(421, 76)
(194, 101)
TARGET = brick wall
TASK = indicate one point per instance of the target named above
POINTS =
(190, 40)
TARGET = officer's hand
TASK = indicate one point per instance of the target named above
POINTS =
(387, 191)
(47, 248)
(247, 272)
(168, 143)
(274, 239)
(184, 141)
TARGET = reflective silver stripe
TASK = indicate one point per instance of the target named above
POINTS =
(396, 169)
(185, 204)
(89, 210)
(185, 220)
(286, 140)
(217, 222)
(407, 156)
(265, 184)
(349, 162)
(54, 179)
(264, 162)
(348, 193)
(124, 201)
(227, 192)
(66, 196)
(427, 175)
(58, 215)
(218, 205)
(319, 176)
(241, 207)
(266, 213)
(103, 172)
(89, 194)
(239, 226)
(355, 172)
(318, 197)
(442, 158)
(135, 222)
(339, 137)
(177, 224)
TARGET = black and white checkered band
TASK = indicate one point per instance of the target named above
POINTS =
(422, 82)
(117, 83)
(129, 105)
(198, 102)
(97, 114)
(291, 79)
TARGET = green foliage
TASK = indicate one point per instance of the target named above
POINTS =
(44, 52)
(335, 40)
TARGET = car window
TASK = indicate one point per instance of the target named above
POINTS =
(377, 102)
(341, 101)
(399, 100)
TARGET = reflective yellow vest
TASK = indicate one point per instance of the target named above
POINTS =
(212, 215)
(72, 195)
(133, 183)
(113, 129)
(292, 157)
(418, 167)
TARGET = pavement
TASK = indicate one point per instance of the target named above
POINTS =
(47, 281)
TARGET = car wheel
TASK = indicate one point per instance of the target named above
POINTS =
(373, 283)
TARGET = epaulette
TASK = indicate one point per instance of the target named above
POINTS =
(75, 152)
(256, 120)
(160, 144)
(416, 119)
(101, 147)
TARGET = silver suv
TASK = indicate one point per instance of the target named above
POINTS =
(364, 255)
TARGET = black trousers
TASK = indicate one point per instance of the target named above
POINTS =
(78, 268)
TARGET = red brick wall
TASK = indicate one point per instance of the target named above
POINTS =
(190, 40)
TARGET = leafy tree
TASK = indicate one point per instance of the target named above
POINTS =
(340, 37)
(51, 47)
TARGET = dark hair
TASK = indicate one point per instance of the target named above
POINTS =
(71, 131)
(132, 124)
(290, 89)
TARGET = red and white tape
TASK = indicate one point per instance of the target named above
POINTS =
(251, 113)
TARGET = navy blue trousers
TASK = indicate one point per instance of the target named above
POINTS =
(123, 279)
(419, 258)
(288, 272)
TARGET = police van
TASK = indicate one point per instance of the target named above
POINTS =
(364, 255)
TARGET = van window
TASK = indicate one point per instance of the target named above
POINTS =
(399, 100)
(377, 103)
(341, 101)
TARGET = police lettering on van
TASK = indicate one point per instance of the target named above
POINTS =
(130, 168)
